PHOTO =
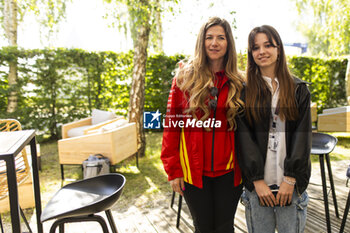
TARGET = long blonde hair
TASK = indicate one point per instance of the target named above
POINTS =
(194, 76)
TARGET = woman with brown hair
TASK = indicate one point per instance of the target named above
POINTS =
(198, 144)
(273, 138)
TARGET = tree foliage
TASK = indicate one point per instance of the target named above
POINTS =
(48, 14)
(326, 24)
(127, 15)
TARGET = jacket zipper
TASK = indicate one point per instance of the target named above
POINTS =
(214, 118)
(212, 147)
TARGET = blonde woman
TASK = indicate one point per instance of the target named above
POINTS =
(198, 141)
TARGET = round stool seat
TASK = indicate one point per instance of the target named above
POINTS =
(323, 143)
(85, 197)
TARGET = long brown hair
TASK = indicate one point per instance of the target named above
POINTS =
(194, 77)
(258, 95)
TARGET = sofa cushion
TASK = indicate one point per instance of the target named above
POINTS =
(114, 125)
(79, 131)
(99, 116)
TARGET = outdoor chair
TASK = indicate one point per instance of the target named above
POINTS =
(102, 133)
(23, 175)
(81, 200)
(323, 145)
(347, 205)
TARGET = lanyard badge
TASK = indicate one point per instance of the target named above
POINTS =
(273, 135)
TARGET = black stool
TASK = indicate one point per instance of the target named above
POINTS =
(81, 200)
(178, 208)
(322, 145)
(346, 211)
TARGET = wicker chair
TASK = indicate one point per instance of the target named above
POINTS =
(21, 161)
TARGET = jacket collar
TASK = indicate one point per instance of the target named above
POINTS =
(222, 79)
(298, 81)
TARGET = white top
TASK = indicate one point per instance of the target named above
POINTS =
(274, 165)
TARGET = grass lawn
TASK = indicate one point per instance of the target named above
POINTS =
(144, 184)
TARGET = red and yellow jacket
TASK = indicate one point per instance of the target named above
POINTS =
(187, 147)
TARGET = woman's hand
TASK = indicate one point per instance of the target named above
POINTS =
(264, 193)
(285, 192)
(178, 185)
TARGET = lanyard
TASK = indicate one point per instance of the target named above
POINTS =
(273, 136)
(274, 118)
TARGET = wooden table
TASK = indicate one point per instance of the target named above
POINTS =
(11, 144)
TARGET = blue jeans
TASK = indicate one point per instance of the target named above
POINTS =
(288, 219)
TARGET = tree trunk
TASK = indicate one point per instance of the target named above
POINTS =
(347, 80)
(137, 92)
(158, 17)
(10, 25)
(12, 100)
(53, 105)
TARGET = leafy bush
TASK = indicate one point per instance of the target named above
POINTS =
(160, 73)
(61, 85)
(327, 77)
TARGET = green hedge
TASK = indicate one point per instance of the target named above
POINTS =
(60, 85)
(57, 86)
(326, 75)
(328, 88)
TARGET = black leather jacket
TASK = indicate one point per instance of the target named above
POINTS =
(251, 143)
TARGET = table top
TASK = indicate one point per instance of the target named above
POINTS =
(13, 142)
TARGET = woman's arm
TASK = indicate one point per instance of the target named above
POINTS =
(249, 156)
(170, 154)
(297, 162)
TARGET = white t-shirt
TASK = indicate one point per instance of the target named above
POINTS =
(276, 154)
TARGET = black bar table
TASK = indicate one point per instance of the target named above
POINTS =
(11, 144)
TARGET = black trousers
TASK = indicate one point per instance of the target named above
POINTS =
(213, 208)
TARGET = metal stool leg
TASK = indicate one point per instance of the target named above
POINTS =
(325, 196)
(179, 212)
(111, 221)
(102, 222)
(346, 211)
(137, 159)
(54, 226)
(332, 185)
(89, 218)
(61, 228)
(62, 172)
(172, 199)
(25, 220)
(178, 216)
(2, 228)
